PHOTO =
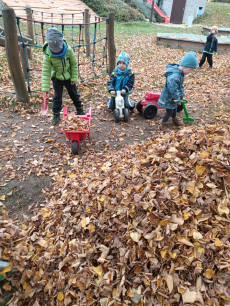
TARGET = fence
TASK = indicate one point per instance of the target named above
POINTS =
(85, 38)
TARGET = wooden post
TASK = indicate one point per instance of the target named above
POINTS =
(87, 36)
(30, 23)
(110, 42)
(152, 9)
(130, 2)
(11, 43)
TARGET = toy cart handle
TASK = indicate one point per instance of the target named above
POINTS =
(65, 114)
(185, 110)
(89, 112)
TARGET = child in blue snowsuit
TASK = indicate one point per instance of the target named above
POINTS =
(173, 91)
(210, 47)
(122, 79)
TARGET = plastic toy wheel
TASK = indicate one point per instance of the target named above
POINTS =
(179, 108)
(150, 111)
(116, 115)
(126, 114)
(139, 106)
(75, 147)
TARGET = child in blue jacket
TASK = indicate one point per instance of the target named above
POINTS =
(173, 91)
(122, 79)
(210, 47)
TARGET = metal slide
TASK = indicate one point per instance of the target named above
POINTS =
(159, 12)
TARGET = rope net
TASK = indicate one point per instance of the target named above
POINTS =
(89, 67)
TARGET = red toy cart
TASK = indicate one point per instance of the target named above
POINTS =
(77, 136)
(148, 106)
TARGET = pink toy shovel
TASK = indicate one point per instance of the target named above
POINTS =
(44, 106)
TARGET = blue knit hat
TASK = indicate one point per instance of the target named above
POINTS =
(123, 57)
(189, 60)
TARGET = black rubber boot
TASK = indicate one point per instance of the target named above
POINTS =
(80, 111)
(56, 118)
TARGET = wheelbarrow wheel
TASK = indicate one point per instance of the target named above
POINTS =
(116, 115)
(150, 111)
(139, 106)
(126, 114)
(179, 108)
(75, 147)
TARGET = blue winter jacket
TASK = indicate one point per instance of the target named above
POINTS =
(121, 80)
(173, 91)
(211, 44)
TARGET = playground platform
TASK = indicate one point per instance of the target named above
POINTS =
(221, 31)
(61, 11)
(191, 42)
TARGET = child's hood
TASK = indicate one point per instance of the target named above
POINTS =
(46, 50)
(171, 69)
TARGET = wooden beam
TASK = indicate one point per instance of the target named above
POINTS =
(110, 42)
(11, 45)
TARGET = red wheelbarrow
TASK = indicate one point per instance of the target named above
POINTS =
(77, 136)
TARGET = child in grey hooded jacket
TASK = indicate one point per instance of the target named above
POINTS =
(173, 91)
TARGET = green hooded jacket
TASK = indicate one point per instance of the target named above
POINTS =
(62, 69)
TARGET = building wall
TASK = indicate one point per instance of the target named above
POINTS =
(167, 7)
(190, 8)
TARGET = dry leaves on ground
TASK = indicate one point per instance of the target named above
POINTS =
(146, 225)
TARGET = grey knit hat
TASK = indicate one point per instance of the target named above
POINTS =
(54, 38)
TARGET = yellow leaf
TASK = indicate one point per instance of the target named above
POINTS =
(181, 290)
(102, 198)
(72, 175)
(186, 214)
(3, 197)
(50, 140)
(91, 228)
(204, 154)
(84, 222)
(211, 185)
(163, 253)
(218, 242)
(6, 287)
(7, 269)
(222, 209)
(47, 213)
(164, 222)
(43, 243)
(25, 285)
(135, 236)
(98, 270)
(200, 170)
(191, 187)
(147, 283)
(159, 237)
(173, 255)
(60, 296)
(197, 235)
(209, 273)
(167, 156)
(121, 139)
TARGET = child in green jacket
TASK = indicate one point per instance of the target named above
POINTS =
(59, 63)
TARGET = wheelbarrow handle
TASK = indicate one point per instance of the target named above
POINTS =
(89, 112)
(65, 114)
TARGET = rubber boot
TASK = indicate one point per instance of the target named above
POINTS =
(56, 118)
(80, 111)
(164, 127)
(177, 121)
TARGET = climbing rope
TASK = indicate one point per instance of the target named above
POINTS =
(74, 32)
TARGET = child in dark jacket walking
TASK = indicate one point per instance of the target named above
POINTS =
(210, 47)
(122, 79)
(173, 91)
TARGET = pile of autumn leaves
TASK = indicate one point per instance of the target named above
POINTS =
(146, 225)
